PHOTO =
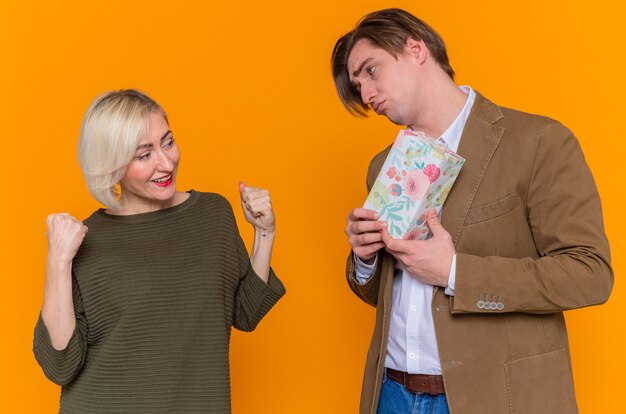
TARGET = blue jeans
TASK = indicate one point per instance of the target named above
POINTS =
(395, 399)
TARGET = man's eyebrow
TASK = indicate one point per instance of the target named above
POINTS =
(144, 146)
(360, 68)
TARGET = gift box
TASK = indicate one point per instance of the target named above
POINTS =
(416, 177)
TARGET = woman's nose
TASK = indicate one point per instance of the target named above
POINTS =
(164, 162)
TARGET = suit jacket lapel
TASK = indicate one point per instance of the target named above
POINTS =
(479, 141)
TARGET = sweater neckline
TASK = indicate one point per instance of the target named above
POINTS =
(152, 215)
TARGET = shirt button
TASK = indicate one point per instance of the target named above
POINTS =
(411, 355)
(414, 307)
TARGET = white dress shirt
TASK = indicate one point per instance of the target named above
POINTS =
(412, 346)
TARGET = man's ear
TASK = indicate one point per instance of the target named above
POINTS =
(417, 49)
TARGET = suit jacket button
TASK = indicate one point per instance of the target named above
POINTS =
(480, 304)
(493, 305)
(500, 305)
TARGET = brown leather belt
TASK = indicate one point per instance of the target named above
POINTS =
(418, 383)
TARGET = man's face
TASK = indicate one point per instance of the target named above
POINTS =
(387, 84)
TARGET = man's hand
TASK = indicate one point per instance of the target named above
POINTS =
(364, 233)
(427, 260)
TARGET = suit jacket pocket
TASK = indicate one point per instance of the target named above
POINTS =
(541, 384)
(493, 210)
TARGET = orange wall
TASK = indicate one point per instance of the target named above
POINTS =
(249, 96)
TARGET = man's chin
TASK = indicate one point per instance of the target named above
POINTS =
(396, 120)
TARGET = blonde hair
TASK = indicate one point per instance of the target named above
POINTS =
(109, 134)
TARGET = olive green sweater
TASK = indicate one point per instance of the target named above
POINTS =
(155, 296)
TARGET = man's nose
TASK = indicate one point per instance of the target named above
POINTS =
(367, 93)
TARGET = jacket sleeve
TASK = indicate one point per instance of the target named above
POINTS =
(62, 366)
(253, 298)
(368, 292)
(571, 268)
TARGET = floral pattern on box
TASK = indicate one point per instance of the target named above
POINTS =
(416, 176)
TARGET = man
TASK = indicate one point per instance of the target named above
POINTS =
(470, 320)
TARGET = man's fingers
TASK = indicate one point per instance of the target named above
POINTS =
(432, 220)
(368, 251)
(366, 238)
(359, 227)
(395, 245)
(363, 214)
(386, 237)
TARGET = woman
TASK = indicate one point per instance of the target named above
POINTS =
(137, 311)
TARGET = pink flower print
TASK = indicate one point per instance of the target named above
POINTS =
(416, 185)
(395, 190)
(397, 178)
(391, 172)
(432, 172)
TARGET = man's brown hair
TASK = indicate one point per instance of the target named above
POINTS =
(388, 29)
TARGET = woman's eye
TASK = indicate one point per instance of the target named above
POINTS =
(143, 156)
(169, 143)
(371, 69)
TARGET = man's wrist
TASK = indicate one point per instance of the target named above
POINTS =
(363, 270)
(369, 262)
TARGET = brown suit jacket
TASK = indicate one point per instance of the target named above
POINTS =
(526, 220)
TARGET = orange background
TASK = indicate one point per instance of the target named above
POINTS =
(249, 95)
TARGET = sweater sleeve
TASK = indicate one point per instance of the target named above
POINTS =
(62, 366)
(253, 298)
